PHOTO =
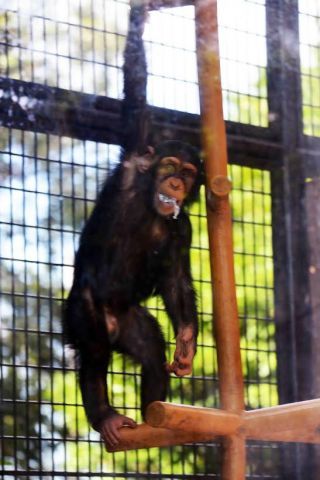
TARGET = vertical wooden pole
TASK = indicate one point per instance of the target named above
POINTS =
(220, 230)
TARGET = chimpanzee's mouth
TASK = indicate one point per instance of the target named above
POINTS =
(168, 200)
(172, 202)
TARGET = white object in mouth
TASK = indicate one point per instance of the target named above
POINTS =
(170, 201)
(176, 211)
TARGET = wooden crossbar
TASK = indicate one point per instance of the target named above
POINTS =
(172, 424)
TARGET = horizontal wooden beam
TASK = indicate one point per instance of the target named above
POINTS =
(145, 436)
(294, 422)
(174, 424)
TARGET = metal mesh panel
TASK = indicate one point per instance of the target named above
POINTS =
(252, 236)
(243, 61)
(48, 185)
(52, 184)
(170, 46)
(254, 275)
(172, 60)
(309, 23)
(71, 44)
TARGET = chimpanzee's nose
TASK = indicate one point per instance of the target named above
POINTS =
(175, 183)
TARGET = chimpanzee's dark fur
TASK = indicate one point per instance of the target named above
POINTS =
(127, 253)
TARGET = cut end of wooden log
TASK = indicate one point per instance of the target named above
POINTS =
(156, 414)
(220, 186)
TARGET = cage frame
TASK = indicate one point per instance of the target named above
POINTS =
(279, 144)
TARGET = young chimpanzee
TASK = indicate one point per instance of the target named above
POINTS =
(135, 244)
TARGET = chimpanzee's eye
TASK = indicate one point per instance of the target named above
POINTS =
(170, 168)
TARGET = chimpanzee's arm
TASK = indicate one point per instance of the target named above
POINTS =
(180, 299)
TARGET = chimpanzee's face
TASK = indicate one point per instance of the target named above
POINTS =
(174, 181)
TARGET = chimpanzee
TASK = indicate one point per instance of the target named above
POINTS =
(135, 244)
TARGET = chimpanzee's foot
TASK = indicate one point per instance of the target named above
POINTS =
(110, 426)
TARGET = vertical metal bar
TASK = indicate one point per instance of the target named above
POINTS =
(220, 230)
(282, 212)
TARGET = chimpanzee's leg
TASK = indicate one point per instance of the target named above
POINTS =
(91, 330)
(92, 378)
(86, 332)
(141, 337)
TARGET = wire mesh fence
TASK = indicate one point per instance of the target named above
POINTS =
(48, 185)
(309, 23)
